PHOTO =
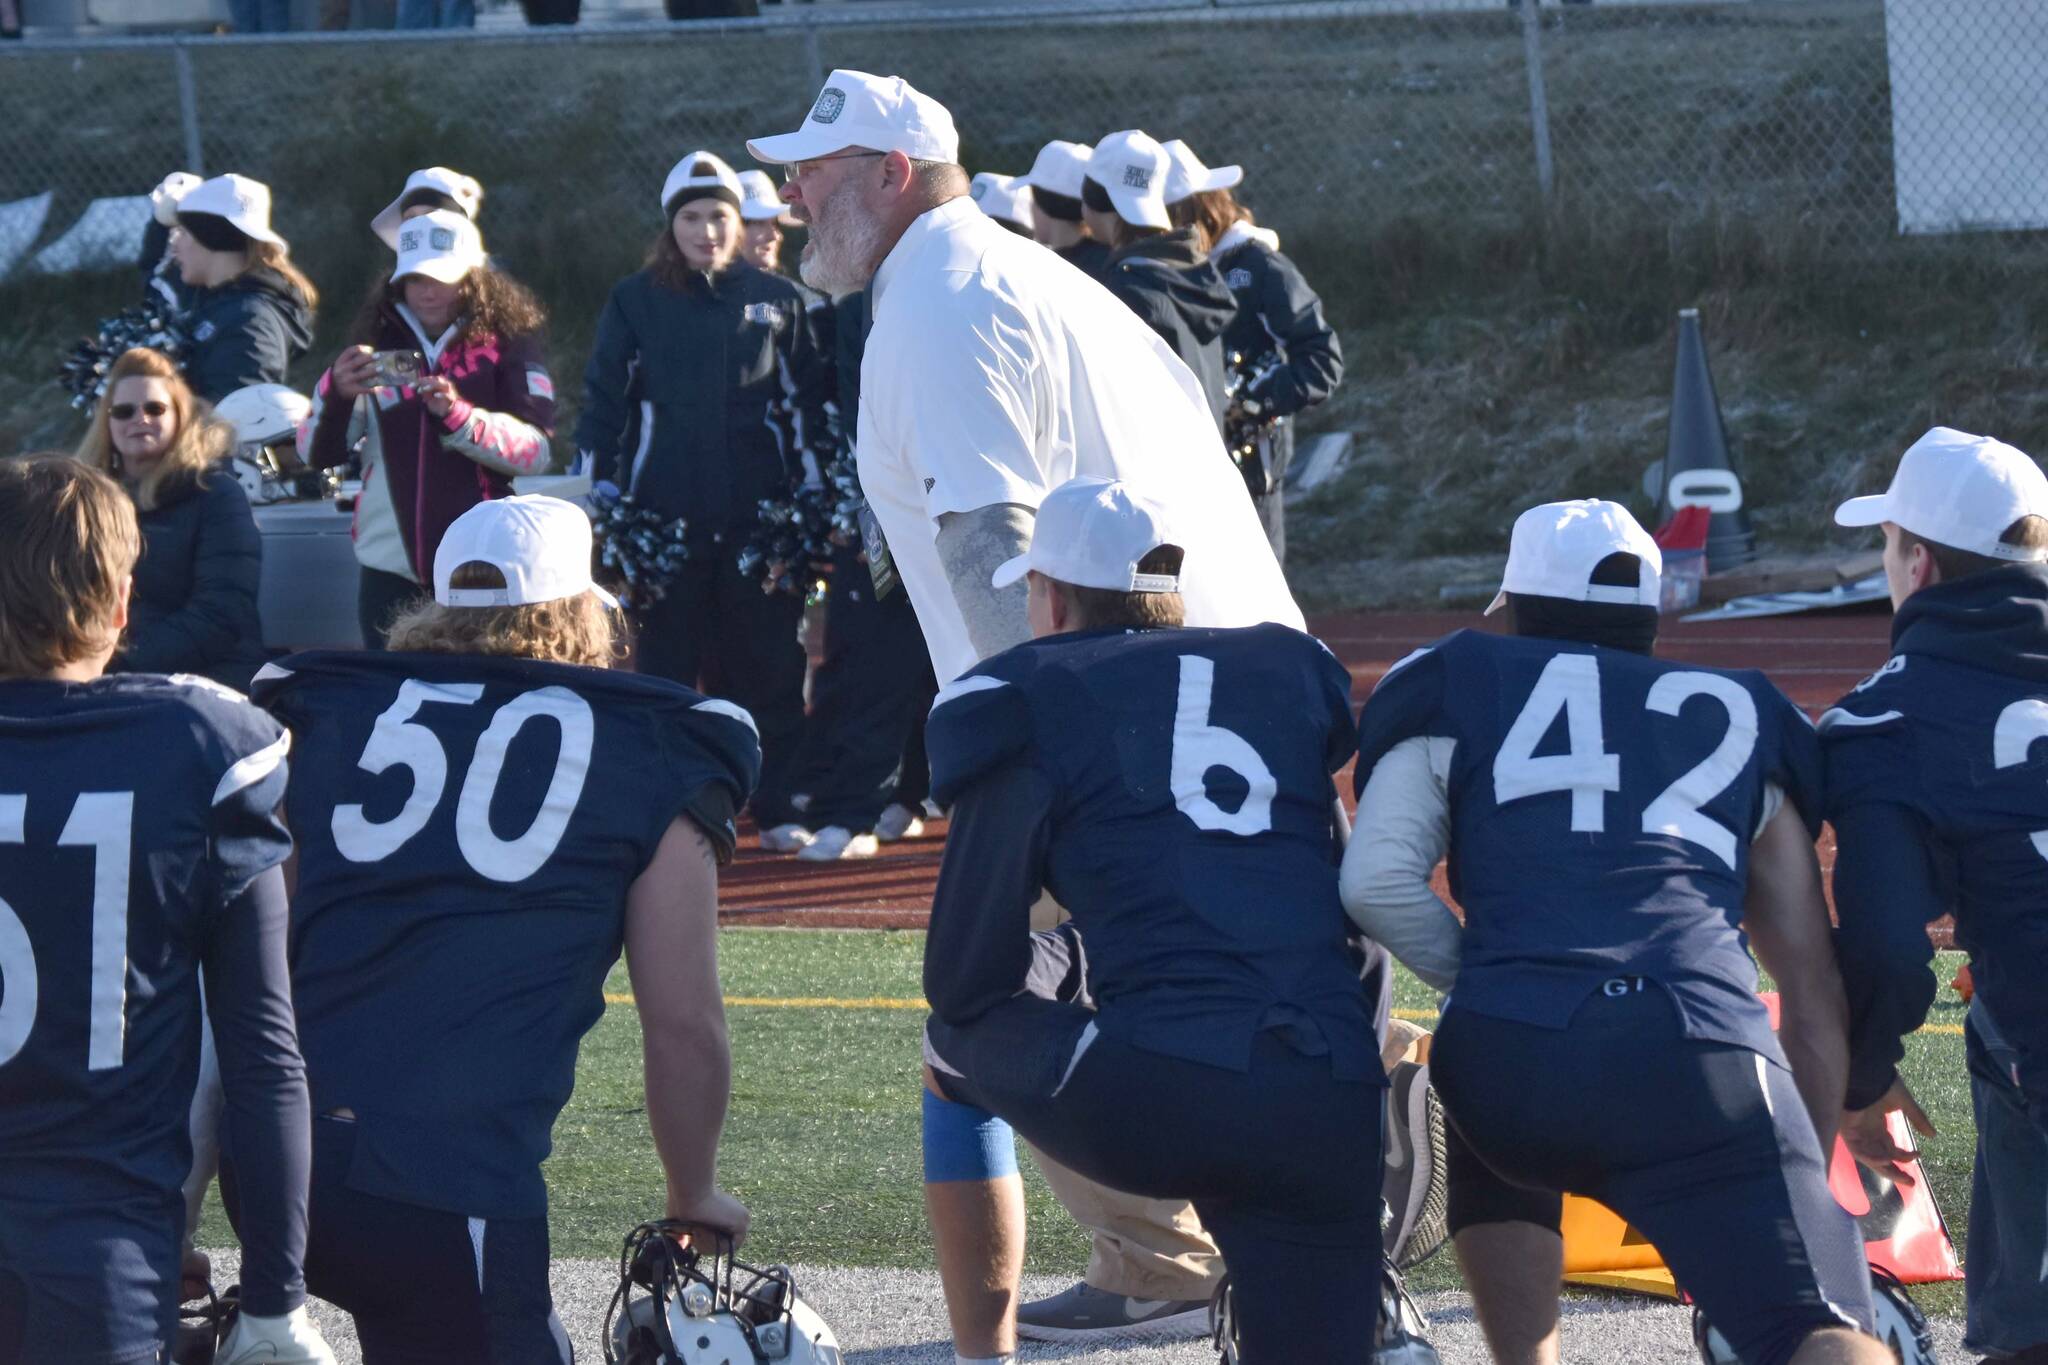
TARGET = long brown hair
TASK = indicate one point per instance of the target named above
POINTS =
(1211, 214)
(568, 630)
(68, 541)
(271, 256)
(489, 303)
(199, 443)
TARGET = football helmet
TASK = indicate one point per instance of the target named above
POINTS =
(266, 419)
(1901, 1326)
(679, 1305)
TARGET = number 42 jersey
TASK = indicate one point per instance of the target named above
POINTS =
(468, 828)
(1602, 805)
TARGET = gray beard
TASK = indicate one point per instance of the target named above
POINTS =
(841, 258)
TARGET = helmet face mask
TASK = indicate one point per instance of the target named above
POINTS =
(677, 1305)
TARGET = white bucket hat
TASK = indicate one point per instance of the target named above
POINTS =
(540, 544)
(1556, 546)
(442, 245)
(1093, 533)
(243, 202)
(877, 113)
(1132, 167)
(1187, 176)
(464, 190)
(1961, 491)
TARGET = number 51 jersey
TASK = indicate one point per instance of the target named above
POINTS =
(468, 827)
(1602, 806)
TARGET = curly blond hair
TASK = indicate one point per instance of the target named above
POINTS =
(568, 630)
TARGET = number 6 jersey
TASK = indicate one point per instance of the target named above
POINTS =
(468, 827)
(1602, 804)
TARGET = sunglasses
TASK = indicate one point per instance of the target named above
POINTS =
(125, 412)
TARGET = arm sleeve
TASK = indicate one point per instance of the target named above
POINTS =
(978, 447)
(607, 380)
(512, 437)
(978, 949)
(328, 435)
(267, 1120)
(226, 570)
(1315, 358)
(1403, 829)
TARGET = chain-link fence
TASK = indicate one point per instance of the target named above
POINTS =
(1350, 117)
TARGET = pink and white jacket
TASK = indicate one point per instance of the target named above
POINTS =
(421, 472)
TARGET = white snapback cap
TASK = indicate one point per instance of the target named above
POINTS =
(1556, 547)
(878, 113)
(1005, 198)
(540, 544)
(464, 190)
(761, 201)
(1186, 176)
(1132, 167)
(442, 245)
(242, 201)
(1092, 533)
(1060, 168)
(719, 180)
(1961, 491)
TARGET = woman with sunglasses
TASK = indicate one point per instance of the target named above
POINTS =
(194, 603)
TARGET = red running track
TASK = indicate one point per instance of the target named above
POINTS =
(1813, 658)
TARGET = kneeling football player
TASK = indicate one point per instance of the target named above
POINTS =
(484, 815)
(139, 847)
(1611, 819)
(1170, 787)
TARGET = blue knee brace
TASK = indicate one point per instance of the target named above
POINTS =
(965, 1143)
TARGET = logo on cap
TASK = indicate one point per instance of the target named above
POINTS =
(1138, 177)
(409, 241)
(831, 104)
(441, 239)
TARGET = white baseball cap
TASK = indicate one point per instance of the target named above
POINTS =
(1556, 547)
(878, 113)
(1961, 491)
(465, 191)
(1187, 176)
(1092, 533)
(442, 245)
(1132, 167)
(540, 544)
(1060, 168)
(1005, 198)
(245, 203)
(718, 180)
(761, 201)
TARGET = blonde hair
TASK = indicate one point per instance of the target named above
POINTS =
(568, 630)
(68, 544)
(201, 440)
(274, 257)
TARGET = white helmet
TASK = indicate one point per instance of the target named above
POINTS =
(1900, 1325)
(264, 413)
(697, 1309)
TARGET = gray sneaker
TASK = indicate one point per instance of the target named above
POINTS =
(1413, 1188)
(1085, 1313)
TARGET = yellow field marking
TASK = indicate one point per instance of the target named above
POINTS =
(885, 1002)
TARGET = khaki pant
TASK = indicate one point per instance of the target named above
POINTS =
(1143, 1248)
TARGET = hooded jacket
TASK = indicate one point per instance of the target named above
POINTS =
(702, 401)
(194, 606)
(247, 331)
(1181, 295)
(1937, 771)
(421, 472)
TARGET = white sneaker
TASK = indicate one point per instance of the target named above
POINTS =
(837, 841)
(789, 838)
(898, 822)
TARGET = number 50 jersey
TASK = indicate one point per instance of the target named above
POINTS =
(468, 827)
(1602, 806)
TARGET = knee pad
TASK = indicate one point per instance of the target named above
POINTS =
(962, 1142)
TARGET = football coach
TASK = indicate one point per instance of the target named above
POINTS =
(994, 373)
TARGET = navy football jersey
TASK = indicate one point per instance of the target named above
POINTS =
(1602, 808)
(1190, 827)
(1938, 790)
(132, 810)
(468, 828)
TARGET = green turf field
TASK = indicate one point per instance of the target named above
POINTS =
(822, 1140)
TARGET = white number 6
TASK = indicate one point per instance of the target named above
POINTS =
(1199, 746)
